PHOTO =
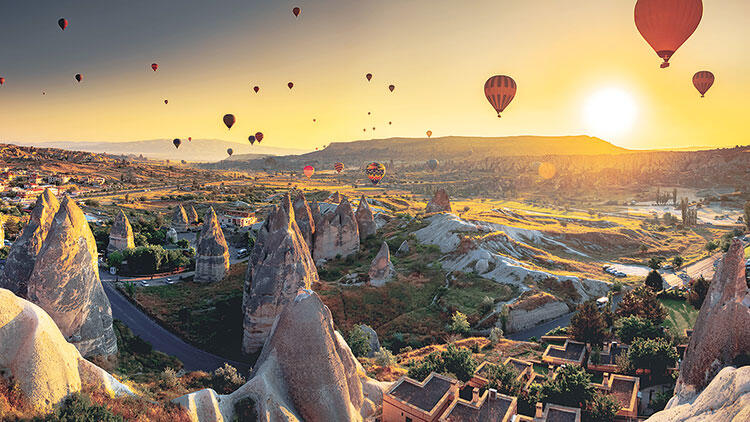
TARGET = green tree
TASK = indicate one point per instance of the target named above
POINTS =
(359, 342)
(698, 291)
(588, 324)
(454, 360)
(711, 246)
(677, 261)
(601, 408)
(632, 327)
(642, 302)
(114, 259)
(655, 355)
(502, 378)
(654, 281)
(384, 358)
(459, 323)
(571, 387)
(226, 379)
(654, 263)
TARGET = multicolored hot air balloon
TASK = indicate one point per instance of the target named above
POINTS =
(369, 77)
(2, 81)
(500, 90)
(230, 151)
(296, 11)
(309, 171)
(177, 142)
(256, 88)
(290, 85)
(432, 164)
(667, 24)
(229, 120)
(259, 136)
(375, 172)
(702, 81)
(391, 87)
(429, 134)
(79, 77)
(251, 138)
(339, 167)
(62, 23)
(154, 66)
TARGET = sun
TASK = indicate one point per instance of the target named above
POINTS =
(609, 112)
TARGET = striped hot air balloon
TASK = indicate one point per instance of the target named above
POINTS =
(375, 172)
(339, 167)
(702, 81)
(500, 90)
(667, 24)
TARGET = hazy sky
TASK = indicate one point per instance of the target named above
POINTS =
(438, 53)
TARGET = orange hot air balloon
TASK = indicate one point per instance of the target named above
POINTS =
(2, 81)
(339, 167)
(229, 120)
(375, 172)
(309, 171)
(364, 130)
(290, 85)
(154, 66)
(79, 77)
(500, 90)
(62, 23)
(259, 136)
(230, 151)
(391, 87)
(256, 89)
(296, 11)
(667, 24)
(429, 133)
(177, 142)
(369, 77)
(702, 81)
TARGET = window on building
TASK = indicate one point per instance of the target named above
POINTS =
(408, 419)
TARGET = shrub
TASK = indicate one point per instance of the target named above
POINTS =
(487, 305)
(633, 327)
(244, 411)
(617, 286)
(698, 290)
(496, 333)
(226, 379)
(571, 387)
(596, 355)
(558, 331)
(384, 358)
(654, 263)
(659, 402)
(78, 408)
(677, 261)
(642, 302)
(588, 324)
(654, 281)
(459, 323)
(169, 378)
(359, 342)
(601, 408)
(654, 354)
(454, 360)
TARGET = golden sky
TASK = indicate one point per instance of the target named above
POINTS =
(438, 53)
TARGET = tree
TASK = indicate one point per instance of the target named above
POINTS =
(642, 302)
(633, 327)
(698, 290)
(571, 387)
(459, 323)
(359, 342)
(454, 360)
(502, 378)
(588, 324)
(654, 263)
(655, 355)
(677, 261)
(601, 408)
(384, 358)
(654, 281)
(711, 246)
(226, 379)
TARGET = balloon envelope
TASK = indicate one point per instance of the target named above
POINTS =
(2, 81)
(166, 101)
(339, 167)
(375, 172)
(251, 138)
(177, 143)
(500, 90)
(62, 23)
(230, 151)
(429, 133)
(190, 138)
(369, 77)
(290, 85)
(667, 24)
(309, 171)
(229, 120)
(256, 89)
(432, 164)
(296, 11)
(259, 136)
(79, 77)
(154, 66)
(391, 87)
(702, 81)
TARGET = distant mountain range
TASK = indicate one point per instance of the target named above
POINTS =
(197, 150)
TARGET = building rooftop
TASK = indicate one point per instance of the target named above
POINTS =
(490, 407)
(570, 351)
(423, 395)
(557, 413)
(624, 389)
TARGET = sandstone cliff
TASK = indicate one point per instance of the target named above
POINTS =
(34, 353)
(65, 283)
(303, 217)
(365, 219)
(440, 202)
(25, 249)
(180, 220)
(212, 262)
(337, 233)
(121, 234)
(192, 215)
(279, 265)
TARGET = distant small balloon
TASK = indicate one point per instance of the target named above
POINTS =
(373, 128)
(230, 151)
(259, 136)
(369, 113)
(390, 123)
(702, 81)
(309, 171)
(339, 167)
(315, 120)
(429, 133)
(391, 87)
(296, 11)
(79, 77)
(154, 66)
(290, 85)
(166, 101)
(256, 89)
(432, 164)
(229, 120)
(176, 142)
(251, 138)
(190, 138)
(369, 77)
(2, 81)
(62, 23)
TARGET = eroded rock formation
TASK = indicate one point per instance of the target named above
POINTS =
(23, 253)
(302, 216)
(440, 202)
(365, 219)
(65, 283)
(192, 215)
(381, 269)
(121, 234)
(212, 262)
(279, 265)
(337, 234)
(180, 220)
(335, 198)
(34, 353)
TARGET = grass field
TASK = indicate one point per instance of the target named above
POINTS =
(680, 315)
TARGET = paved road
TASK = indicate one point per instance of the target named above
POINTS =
(163, 340)
(704, 267)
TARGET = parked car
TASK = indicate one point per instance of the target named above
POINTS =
(169, 281)
(144, 283)
(620, 274)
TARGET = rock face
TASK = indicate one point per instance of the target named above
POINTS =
(337, 233)
(726, 399)
(722, 330)
(172, 235)
(192, 215)
(381, 269)
(316, 215)
(121, 234)
(303, 217)
(25, 249)
(533, 310)
(180, 220)
(365, 220)
(280, 264)
(45, 367)
(403, 249)
(212, 262)
(65, 283)
(481, 266)
(440, 202)
(306, 372)
(335, 198)
(374, 341)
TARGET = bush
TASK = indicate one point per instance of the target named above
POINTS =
(558, 331)
(78, 408)
(571, 387)
(677, 261)
(359, 342)
(454, 360)
(244, 411)
(659, 402)
(654, 281)
(654, 263)
(633, 327)
(655, 355)
(226, 379)
(588, 324)
(698, 290)
(487, 305)
(169, 378)
(644, 303)
(459, 323)
(496, 333)
(384, 358)
(601, 408)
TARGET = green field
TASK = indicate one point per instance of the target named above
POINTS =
(680, 315)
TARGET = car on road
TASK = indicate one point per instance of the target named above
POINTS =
(169, 280)
(144, 283)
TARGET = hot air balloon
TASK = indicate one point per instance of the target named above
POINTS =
(2, 81)
(702, 81)
(375, 172)
(256, 89)
(176, 142)
(290, 85)
(79, 77)
(339, 167)
(259, 136)
(309, 171)
(62, 23)
(251, 138)
(364, 130)
(500, 90)
(432, 164)
(296, 11)
(183, 161)
(429, 133)
(369, 113)
(154, 66)
(369, 77)
(667, 24)
(315, 120)
(373, 128)
(166, 101)
(390, 123)
(391, 87)
(229, 120)
(230, 151)
(190, 138)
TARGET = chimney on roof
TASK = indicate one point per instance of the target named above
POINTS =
(614, 345)
(539, 411)
(493, 393)
(475, 395)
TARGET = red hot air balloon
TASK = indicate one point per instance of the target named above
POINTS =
(369, 77)
(259, 136)
(375, 172)
(391, 87)
(309, 171)
(230, 151)
(296, 11)
(339, 167)
(2, 81)
(177, 143)
(667, 24)
(62, 23)
(290, 85)
(500, 90)
(190, 138)
(702, 81)
(229, 120)
(251, 138)
(315, 120)
(256, 89)
(154, 66)
(79, 77)
(429, 134)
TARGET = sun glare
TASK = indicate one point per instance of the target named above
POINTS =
(609, 112)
